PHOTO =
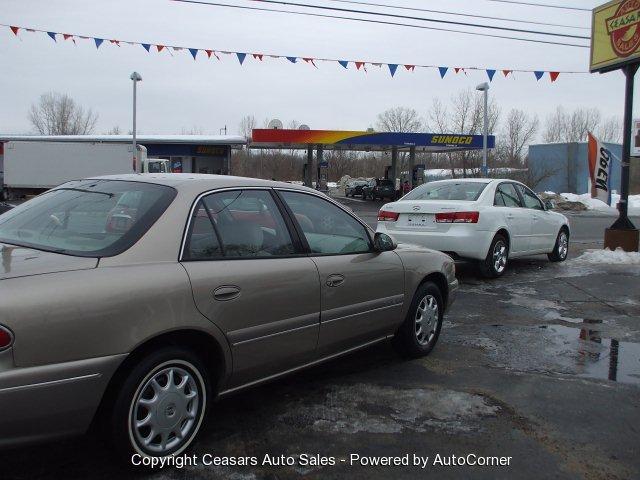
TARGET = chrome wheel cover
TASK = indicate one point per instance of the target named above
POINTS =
(167, 409)
(426, 319)
(563, 245)
(500, 255)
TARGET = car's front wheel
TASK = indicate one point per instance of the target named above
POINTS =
(419, 333)
(561, 248)
(495, 263)
(160, 405)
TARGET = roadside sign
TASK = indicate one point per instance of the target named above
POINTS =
(615, 35)
(635, 139)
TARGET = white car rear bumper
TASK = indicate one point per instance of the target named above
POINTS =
(461, 239)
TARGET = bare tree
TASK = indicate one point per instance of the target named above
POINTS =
(247, 124)
(59, 114)
(114, 131)
(519, 131)
(610, 130)
(571, 127)
(464, 115)
(399, 119)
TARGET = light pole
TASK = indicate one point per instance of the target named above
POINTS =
(484, 87)
(135, 77)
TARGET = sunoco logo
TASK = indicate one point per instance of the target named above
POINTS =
(623, 28)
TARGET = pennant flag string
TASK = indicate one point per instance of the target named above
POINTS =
(393, 67)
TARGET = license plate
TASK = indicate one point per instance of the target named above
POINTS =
(421, 220)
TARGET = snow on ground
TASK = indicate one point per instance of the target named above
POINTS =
(595, 204)
(616, 257)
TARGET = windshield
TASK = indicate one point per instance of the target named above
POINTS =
(469, 191)
(89, 218)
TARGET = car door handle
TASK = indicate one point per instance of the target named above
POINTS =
(226, 292)
(510, 217)
(335, 280)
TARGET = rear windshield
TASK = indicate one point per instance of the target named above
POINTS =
(88, 218)
(469, 191)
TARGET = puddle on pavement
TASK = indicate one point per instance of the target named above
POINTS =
(597, 356)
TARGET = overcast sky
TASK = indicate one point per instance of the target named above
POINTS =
(178, 92)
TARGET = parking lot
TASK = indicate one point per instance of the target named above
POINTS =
(541, 365)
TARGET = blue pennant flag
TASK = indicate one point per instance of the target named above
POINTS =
(98, 42)
(146, 46)
(241, 57)
(443, 71)
(292, 59)
(344, 63)
(392, 68)
(194, 52)
(490, 74)
(538, 75)
(52, 35)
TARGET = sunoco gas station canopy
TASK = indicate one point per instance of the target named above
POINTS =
(366, 141)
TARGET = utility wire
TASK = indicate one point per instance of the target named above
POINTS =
(381, 22)
(421, 19)
(467, 15)
(546, 5)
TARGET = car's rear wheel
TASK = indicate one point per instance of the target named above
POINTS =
(495, 264)
(561, 248)
(421, 328)
(160, 405)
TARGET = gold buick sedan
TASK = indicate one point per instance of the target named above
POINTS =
(131, 302)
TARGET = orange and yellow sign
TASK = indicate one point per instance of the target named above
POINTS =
(615, 35)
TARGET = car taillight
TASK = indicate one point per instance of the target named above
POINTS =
(6, 338)
(457, 217)
(385, 216)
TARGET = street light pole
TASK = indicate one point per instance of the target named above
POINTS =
(135, 77)
(484, 87)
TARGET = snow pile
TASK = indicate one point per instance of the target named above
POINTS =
(595, 204)
(616, 257)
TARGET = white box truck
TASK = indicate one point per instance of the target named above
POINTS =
(31, 167)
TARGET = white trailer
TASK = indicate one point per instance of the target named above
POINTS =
(31, 167)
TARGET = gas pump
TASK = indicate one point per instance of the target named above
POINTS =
(418, 175)
(323, 176)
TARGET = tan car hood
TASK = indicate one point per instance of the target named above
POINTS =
(22, 262)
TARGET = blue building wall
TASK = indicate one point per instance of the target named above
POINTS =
(569, 165)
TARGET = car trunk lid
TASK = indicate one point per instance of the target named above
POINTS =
(16, 261)
(420, 215)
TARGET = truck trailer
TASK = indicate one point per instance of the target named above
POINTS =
(32, 167)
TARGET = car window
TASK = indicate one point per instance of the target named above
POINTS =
(327, 228)
(498, 200)
(509, 195)
(89, 218)
(241, 223)
(530, 199)
(450, 190)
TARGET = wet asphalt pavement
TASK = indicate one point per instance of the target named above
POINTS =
(541, 365)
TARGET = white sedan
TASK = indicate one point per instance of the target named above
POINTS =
(490, 220)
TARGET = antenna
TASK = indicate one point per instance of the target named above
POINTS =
(275, 124)
(304, 127)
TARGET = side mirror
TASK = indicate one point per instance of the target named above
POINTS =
(383, 242)
(548, 205)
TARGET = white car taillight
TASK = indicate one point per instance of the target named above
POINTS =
(385, 216)
(6, 338)
(457, 217)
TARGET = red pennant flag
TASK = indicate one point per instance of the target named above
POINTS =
(554, 76)
(310, 60)
(159, 47)
(209, 52)
(15, 30)
(359, 65)
(410, 68)
(506, 72)
(115, 42)
(67, 36)
(457, 69)
(258, 56)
